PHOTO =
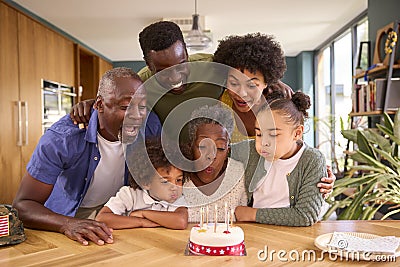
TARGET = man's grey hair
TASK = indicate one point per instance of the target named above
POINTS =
(216, 114)
(108, 80)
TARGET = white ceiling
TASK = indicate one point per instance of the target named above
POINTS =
(111, 27)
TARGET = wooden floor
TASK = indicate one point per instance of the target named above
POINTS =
(164, 247)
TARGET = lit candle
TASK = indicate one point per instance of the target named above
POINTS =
(226, 211)
(207, 211)
(215, 218)
(232, 216)
(201, 217)
(227, 221)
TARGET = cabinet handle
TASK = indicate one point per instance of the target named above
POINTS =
(19, 141)
(25, 104)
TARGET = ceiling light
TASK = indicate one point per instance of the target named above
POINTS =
(195, 39)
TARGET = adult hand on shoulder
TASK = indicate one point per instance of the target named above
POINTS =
(326, 185)
(85, 230)
(80, 112)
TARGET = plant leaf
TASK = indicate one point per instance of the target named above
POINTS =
(354, 182)
(387, 157)
(367, 168)
(376, 163)
(370, 211)
(396, 124)
(358, 158)
(363, 144)
(388, 123)
(378, 139)
(354, 210)
(350, 134)
(390, 213)
(394, 139)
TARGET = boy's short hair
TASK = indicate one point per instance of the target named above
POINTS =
(144, 162)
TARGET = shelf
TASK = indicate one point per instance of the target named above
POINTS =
(376, 71)
(371, 113)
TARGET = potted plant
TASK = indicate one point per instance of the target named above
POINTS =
(374, 176)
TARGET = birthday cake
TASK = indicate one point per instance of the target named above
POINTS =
(217, 241)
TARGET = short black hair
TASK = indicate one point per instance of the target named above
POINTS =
(159, 36)
(143, 162)
(254, 52)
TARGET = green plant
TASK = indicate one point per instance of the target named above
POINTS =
(328, 145)
(374, 177)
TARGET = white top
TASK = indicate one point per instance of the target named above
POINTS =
(273, 190)
(109, 174)
(128, 199)
(231, 191)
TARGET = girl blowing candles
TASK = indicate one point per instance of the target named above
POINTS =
(283, 186)
(216, 178)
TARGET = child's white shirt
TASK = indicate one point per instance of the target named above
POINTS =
(273, 190)
(128, 199)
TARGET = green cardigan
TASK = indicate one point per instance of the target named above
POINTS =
(305, 199)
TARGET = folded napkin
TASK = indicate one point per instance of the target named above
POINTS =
(349, 242)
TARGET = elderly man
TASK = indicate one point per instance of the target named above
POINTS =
(74, 171)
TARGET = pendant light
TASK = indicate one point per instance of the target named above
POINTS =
(196, 40)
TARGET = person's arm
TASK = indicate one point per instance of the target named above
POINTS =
(306, 210)
(117, 221)
(80, 112)
(177, 219)
(29, 202)
(245, 152)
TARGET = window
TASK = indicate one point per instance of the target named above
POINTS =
(335, 65)
(323, 105)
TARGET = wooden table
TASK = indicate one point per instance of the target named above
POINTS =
(164, 247)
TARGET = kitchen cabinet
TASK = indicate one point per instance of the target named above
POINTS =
(10, 153)
(90, 68)
(29, 52)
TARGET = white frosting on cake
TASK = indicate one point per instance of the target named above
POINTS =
(205, 236)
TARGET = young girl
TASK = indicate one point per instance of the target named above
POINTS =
(215, 178)
(283, 186)
(154, 197)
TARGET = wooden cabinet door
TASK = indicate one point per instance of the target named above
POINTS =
(10, 152)
(30, 75)
(103, 67)
(43, 54)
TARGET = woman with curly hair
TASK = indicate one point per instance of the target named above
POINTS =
(257, 64)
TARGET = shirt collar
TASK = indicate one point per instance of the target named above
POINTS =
(148, 200)
(91, 132)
